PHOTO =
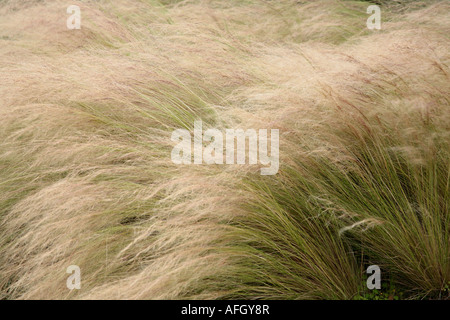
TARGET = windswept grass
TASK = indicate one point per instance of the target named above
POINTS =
(86, 177)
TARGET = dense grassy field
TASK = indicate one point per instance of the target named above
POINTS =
(86, 177)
